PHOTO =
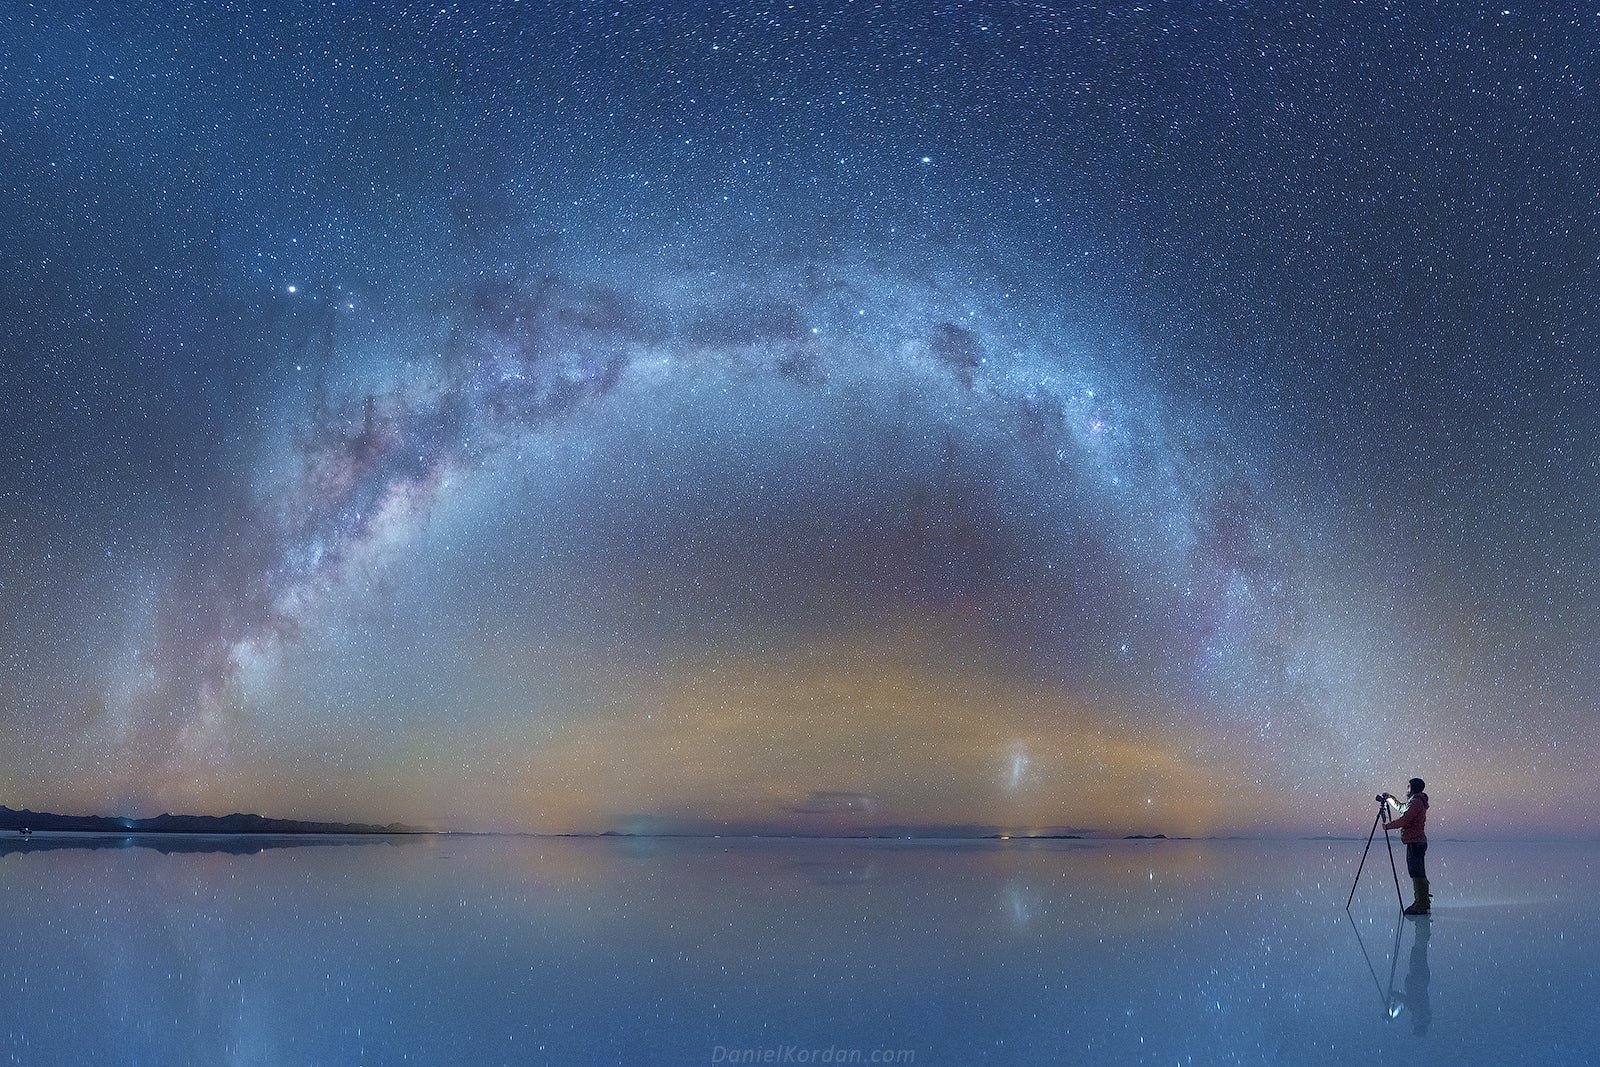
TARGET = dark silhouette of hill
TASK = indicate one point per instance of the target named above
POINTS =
(183, 844)
(237, 823)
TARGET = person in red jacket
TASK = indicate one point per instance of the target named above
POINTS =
(1411, 820)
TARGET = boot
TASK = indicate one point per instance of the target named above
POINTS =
(1420, 905)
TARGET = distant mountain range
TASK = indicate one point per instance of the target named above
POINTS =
(237, 823)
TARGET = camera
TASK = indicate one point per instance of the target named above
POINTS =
(1381, 797)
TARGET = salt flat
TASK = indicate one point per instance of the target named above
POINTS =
(674, 951)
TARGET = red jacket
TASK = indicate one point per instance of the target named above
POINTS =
(1413, 818)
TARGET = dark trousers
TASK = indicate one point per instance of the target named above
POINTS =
(1416, 852)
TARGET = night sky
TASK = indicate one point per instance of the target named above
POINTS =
(802, 416)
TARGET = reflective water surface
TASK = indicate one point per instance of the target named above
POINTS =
(570, 951)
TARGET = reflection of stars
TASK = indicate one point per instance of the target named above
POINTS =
(1021, 905)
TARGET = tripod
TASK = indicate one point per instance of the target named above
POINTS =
(1383, 807)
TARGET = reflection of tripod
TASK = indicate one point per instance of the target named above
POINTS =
(1385, 999)
(1383, 808)
(1415, 996)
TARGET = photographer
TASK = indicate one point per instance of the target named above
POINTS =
(1411, 819)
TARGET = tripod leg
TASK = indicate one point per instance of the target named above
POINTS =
(1382, 999)
(1394, 871)
(1394, 958)
(1363, 862)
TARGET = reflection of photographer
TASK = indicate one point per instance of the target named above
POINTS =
(1411, 820)
(1415, 996)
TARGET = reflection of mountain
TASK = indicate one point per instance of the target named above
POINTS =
(651, 826)
(236, 823)
(234, 844)
(834, 873)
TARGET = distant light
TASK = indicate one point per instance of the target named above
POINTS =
(294, 289)
(927, 159)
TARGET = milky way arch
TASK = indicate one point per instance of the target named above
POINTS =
(526, 351)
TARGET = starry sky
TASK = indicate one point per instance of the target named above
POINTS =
(810, 417)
